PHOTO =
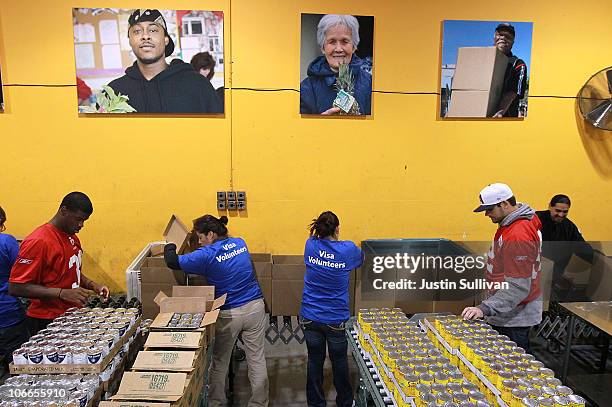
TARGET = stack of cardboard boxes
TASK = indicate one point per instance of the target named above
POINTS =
(171, 368)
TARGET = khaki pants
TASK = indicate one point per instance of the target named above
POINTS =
(250, 320)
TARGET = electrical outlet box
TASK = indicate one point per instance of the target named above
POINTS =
(221, 196)
(241, 205)
(231, 195)
(241, 195)
(231, 205)
(221, 205)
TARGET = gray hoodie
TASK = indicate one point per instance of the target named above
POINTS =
(502, 308)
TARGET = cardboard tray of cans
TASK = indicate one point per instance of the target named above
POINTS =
(408, 362)
(53, 391)
(95, 362)
(531, 382)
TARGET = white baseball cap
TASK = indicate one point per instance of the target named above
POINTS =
(493, 194)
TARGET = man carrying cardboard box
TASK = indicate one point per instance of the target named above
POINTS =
(226, 263)
(515, 79)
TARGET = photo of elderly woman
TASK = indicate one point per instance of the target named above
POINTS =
(336, 64)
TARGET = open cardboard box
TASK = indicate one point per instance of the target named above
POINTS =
(287, 284)
(196, 299)
(176, 232)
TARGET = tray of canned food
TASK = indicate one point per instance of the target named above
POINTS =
(83, 340)
(65, 390)
(412, 367)
(502, 368)
(185, 320)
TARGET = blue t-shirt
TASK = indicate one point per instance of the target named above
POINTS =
(226, 264)
(10, 308)
(328, 264)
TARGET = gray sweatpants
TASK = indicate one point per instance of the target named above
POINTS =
(250, 320)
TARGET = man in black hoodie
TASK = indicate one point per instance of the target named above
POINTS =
(152, 85)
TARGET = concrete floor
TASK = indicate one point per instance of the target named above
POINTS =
(287, 375)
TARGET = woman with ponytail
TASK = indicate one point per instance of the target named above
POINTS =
(325, 306)
(226, 263)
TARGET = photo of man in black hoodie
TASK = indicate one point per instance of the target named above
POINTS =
(153, 85)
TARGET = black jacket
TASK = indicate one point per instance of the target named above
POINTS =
(562, 240)
(178, 89)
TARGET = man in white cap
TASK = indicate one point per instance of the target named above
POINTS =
(513, 262)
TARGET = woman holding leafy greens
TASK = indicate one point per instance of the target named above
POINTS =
(336, 82)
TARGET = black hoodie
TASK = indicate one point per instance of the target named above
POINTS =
(177, 89)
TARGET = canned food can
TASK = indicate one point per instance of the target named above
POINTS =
(20, 356)
(576, 401)
(94, 355)
(561, 401)
(50, 355)
(79, 355)
(529, 402)
(563, 391)
(81, 397)
(64, 356)
(35, 356)
(546, 402)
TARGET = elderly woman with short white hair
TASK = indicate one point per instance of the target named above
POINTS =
(338, 38)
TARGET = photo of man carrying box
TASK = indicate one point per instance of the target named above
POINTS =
(483, 78)
(515, 78)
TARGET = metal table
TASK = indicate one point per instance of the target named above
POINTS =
(597, 314)
(370, 389)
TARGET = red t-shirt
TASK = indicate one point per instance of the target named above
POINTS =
(516, 252)
(51, 258)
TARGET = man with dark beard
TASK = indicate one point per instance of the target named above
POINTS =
(151, 84)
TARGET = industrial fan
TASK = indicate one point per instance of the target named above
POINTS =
(595, 99)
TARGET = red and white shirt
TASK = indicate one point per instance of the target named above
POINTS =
(515, 252)
(51, 258)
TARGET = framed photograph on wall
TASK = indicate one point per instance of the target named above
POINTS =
(485, 68)
(336, 63)
(149, 61)
(1, 93)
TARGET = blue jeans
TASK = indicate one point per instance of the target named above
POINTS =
(317, 335)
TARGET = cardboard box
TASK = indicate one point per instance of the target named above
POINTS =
(154, 386)
(69, 369)
(165, 360)
(197, 299)
(176, 232)
(175, 340)
(179, 389)
(478, 82)
(263, 270)
(287, 284)
(600, 279)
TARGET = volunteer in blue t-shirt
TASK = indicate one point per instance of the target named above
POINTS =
(226, 263)
(325, 306)
(13, 331)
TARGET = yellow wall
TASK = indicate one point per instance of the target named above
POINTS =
(400, 173)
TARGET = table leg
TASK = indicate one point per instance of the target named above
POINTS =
(568, 347)
(604, 352)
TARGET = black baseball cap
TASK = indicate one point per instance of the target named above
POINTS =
(506, 27)
(154, 16)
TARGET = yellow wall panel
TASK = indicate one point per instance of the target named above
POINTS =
(400, 173)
